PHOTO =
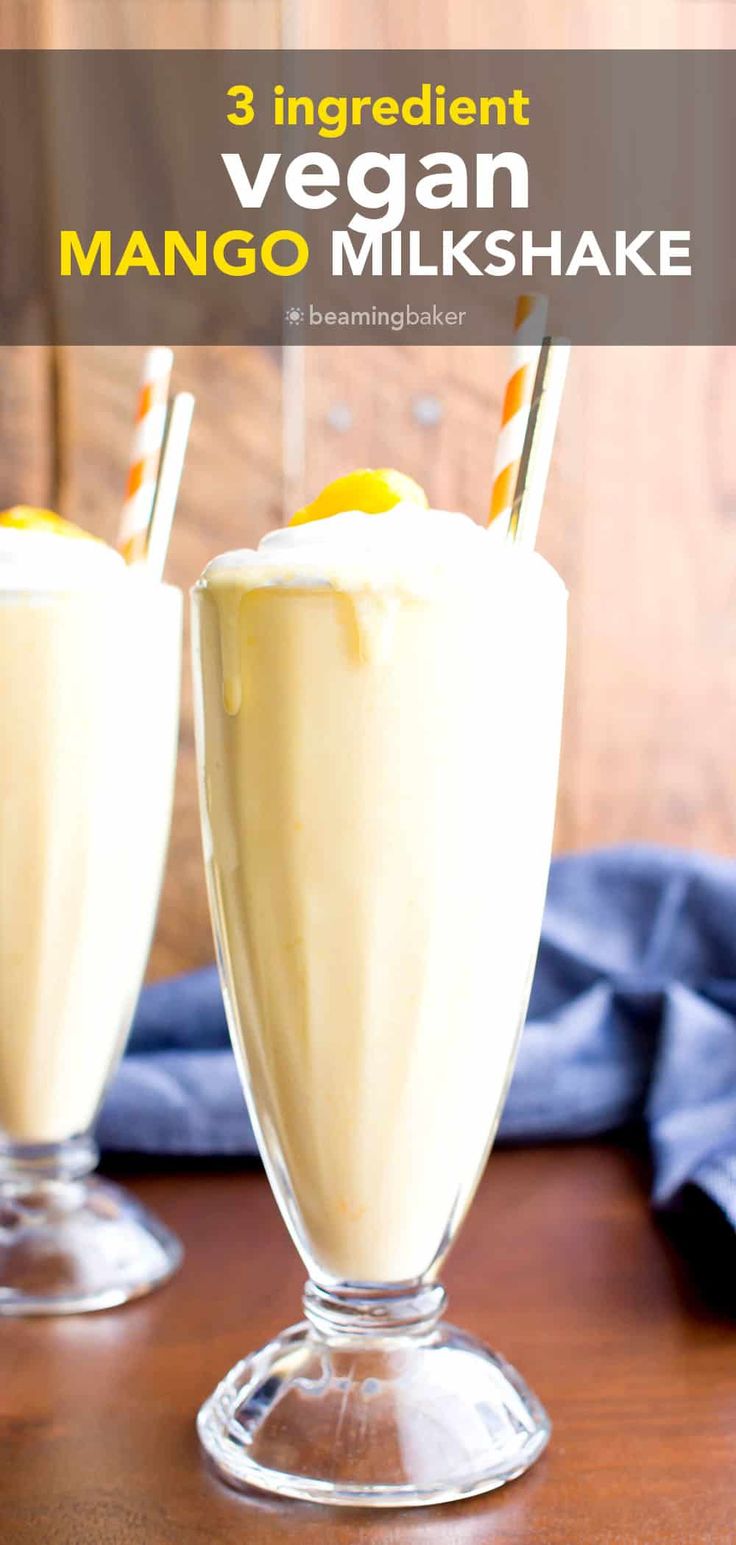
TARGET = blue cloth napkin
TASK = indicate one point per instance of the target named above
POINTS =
(632, 1017)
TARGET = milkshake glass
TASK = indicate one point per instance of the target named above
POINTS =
(378, 723)
(89, 686)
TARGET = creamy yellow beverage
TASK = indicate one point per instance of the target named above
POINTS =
(379, 737)
(89, 672)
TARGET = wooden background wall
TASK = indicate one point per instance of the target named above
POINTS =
(641, 513)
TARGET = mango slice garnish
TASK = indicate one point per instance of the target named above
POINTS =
(371, 491)
(28, 517)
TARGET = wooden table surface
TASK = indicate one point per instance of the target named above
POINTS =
(560, 1266)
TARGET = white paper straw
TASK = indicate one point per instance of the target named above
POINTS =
(169, 478)
(145, 455)
(543, 427)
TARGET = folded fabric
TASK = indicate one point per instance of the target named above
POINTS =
(632, 1017)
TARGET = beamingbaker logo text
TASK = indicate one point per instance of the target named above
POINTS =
(372, 316)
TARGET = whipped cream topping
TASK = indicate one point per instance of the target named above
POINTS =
(40, 561)
(408, 550)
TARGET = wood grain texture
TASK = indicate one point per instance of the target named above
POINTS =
(27, 429)
(158, 23)
(527, 24)
(230, 495)
(585, 1296)
(640, 525)
(641, 511)
(372, 24)
(639, 520)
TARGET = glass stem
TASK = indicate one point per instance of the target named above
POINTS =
(411, 1310)
(39, 1169)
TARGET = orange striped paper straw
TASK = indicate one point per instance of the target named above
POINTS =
(548, 389)
(148, 435)
(529, 323)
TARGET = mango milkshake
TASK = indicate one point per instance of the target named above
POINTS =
(379, 737)
(89, 682)
(83, 818)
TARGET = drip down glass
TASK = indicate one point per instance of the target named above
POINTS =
(89, 691)
(378, 724)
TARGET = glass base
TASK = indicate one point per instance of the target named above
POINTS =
(372, 1402)
(70, 1242)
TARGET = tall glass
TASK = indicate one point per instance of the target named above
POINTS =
(89, 691)
(378, 778)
